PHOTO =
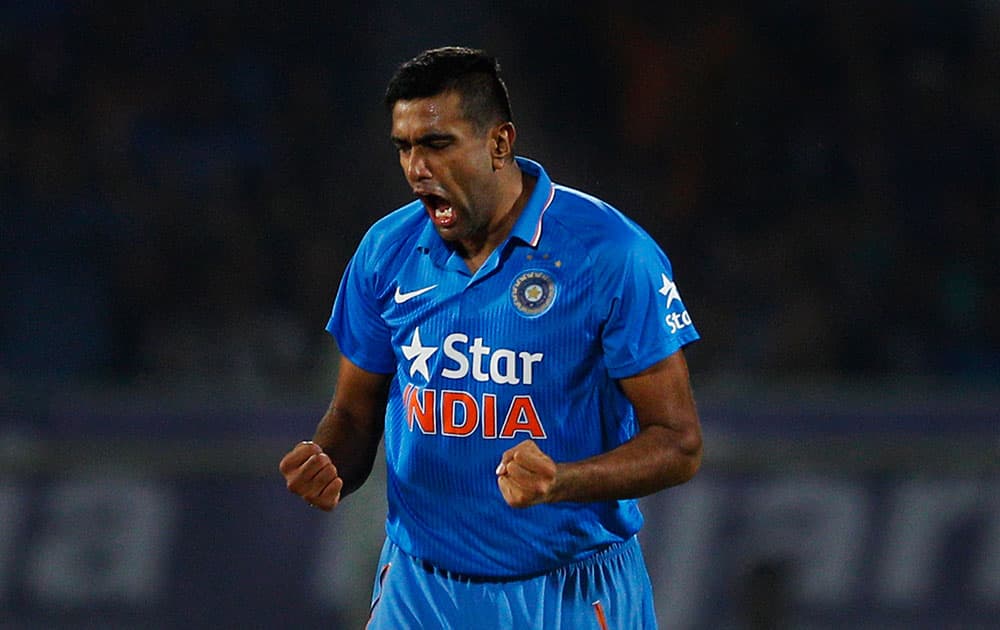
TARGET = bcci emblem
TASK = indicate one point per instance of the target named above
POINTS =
(533, 293)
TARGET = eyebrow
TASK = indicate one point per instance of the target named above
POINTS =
(424, 139)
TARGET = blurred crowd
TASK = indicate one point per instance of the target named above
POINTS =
(183, 184)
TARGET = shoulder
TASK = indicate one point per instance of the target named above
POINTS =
(395, 232)
(596, 225)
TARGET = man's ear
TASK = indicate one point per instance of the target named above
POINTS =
(502, 144)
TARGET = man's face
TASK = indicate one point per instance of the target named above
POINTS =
(448, 164)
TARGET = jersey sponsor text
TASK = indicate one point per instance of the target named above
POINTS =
(460, 414)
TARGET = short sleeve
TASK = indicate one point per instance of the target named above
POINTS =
(645, 318)
(356, 321)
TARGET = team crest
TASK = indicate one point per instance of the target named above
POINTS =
(533, 293)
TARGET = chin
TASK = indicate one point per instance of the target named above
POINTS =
(448, 233)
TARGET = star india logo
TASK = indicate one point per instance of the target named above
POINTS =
(462, 356)
(675, 320)
(669, 289)
(418, 354)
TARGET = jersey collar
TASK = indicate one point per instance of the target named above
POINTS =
(529, 225)
(527, 228)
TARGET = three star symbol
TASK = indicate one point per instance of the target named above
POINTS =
(418, 353)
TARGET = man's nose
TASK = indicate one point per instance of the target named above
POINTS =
(416, 167)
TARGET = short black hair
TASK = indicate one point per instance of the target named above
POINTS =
(471, 72)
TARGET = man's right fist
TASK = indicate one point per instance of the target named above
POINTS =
(310, 473)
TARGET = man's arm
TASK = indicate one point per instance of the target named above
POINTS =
(665, 452)
(340, 456)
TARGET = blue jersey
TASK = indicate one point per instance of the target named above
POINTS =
(528, 347)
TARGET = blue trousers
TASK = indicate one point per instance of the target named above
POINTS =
(609, 590)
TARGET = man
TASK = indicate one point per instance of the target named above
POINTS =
(519, 345)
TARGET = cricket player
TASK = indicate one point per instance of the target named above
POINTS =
(519, 346)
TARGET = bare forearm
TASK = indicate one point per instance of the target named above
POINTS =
(655, 459)
(351, 443)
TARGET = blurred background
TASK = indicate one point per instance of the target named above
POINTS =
(181, 187)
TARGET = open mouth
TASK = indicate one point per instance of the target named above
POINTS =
(439, 209)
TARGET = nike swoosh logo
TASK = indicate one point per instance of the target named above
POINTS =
(401, 297)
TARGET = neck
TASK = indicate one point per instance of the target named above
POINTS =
(513, 197)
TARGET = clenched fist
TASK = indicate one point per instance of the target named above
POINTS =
(526, 475)
(310, 473)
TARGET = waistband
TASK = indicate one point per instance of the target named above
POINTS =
(601, 554)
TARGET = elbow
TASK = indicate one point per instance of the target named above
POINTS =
(675, 457)
(689, 454)
(677, 461)
(694, 465)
